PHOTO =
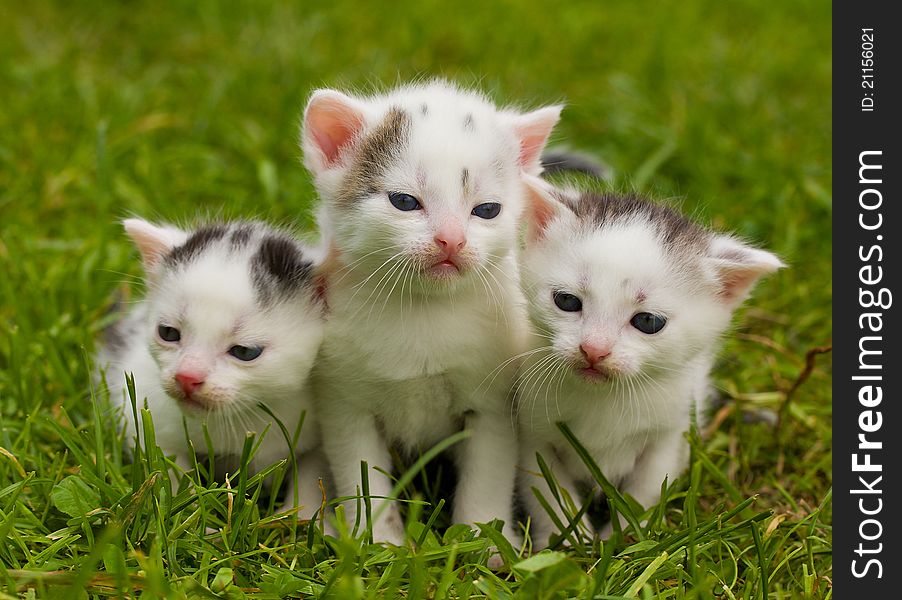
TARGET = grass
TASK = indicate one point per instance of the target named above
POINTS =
(112, 108)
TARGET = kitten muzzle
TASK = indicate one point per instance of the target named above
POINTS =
(592, 366)
(190, 393)
(444, 268)
(595, 374)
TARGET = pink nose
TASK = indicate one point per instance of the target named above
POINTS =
(189, 381)
(594, 354)
(451, 241)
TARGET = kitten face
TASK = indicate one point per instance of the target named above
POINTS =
(233, 318)
(622, 280)
(428, 184)
(623, 288)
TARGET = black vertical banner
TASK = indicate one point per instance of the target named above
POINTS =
(867, 262)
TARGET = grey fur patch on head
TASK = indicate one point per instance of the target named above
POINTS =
(196, 244)
(465, 178)
(375, 153)
(275, 260)
(469, 125)
(424, 110)
(240, 236)
(279, 268)
(677, 232)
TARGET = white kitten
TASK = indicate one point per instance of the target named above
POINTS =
(232, 318)
(628, 300)
(422, 197)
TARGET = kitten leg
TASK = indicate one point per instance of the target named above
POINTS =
(487, 467)
(666, 457)
(349, 439)
(541, 524)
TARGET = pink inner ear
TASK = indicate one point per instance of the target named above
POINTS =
(153, 242)
(542, 213)
(332, 123)
(739, 267)
(542, 208)
(533, 130)
(735, 283)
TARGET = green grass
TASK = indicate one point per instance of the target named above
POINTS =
(110, 108)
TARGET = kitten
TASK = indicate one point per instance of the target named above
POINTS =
(422, 198)
(628, 300)
(232, 318)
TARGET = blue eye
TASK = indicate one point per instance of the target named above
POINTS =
(648, 323)
(169, 334)
(246, 353)
(567, 302)
(488, 210)
(403, 202)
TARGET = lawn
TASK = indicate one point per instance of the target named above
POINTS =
(192, 109)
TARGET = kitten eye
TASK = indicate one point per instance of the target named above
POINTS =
(403, 202)
(169, 334)
(246, 353)
(648, 323)
(488, 210)
(567, 302)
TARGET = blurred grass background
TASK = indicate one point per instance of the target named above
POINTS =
(174, 110)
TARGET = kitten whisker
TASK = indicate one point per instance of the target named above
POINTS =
(405, 267)
(387, 261)
(549, 379)
(383, 285)
(349, 268)
(498, 286)
(495, 263)
(376, 288)
(497, 369)
(527, 381)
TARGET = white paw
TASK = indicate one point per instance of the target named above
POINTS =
(495, 561)
(607, 531)
(389, 530)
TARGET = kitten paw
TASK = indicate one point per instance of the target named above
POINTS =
(495, 561)
(389, 530)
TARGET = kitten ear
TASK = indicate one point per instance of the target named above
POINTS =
(738, 267)
(332, 121)
(542, 207)
(153, 242)
(532, 130)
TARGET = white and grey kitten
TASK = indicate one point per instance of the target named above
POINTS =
(422, 197)
(628, 300)
(233, 317)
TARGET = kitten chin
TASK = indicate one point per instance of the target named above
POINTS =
(422, 196)
(232, 318)
(628, 300)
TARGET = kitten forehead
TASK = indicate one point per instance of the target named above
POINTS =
(271, 262)
(378, 150)
(213, 293)
(604, 211)
(628, 255)
(441, 137)
(201, 240)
